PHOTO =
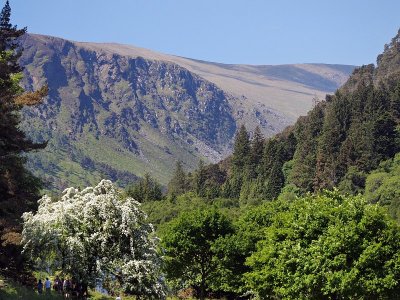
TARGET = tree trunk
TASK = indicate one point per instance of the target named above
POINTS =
(202, 288)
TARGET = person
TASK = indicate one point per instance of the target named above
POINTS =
(40, 286)
(67, 288)
(58, 284)
(47, 283)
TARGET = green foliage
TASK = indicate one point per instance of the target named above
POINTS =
(207, 180)
(178, 184)
(145, 190)
(353, 182)
(160, 213)
(241, 150)
(327, 247)
(256, 153)
(190, 245)
(235, 248)
(307, 130)
(10, 290)
(382, 186)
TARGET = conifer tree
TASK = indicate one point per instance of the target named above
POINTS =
(18, 187)
(145, 190)
(256, 152)
(307, 133)
(239, 163)
(178, 184)
(241, 150)
(200, 179)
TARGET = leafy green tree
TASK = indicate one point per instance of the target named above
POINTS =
(189, 248)
(327, 247)
(233, 249)
(382, 186)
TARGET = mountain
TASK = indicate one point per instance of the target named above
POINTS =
(348, 141)
(118, 111)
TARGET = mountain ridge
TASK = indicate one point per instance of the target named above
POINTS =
(224, 75)
(148, 112)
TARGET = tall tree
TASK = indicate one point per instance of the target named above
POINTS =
(256, 152)
(241, 150)
(239, 164)
(308, 129)
(18, 187)
(178, 183)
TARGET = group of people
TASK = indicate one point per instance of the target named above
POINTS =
(67, 287)
(47, 284)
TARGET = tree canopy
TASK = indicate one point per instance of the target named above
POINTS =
(327, 247)
(190, 254)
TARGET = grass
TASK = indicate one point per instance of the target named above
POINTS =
(10, 290)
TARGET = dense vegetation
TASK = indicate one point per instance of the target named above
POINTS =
(293, 244)
(311, 213)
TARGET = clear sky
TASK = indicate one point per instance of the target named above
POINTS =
(229, 31)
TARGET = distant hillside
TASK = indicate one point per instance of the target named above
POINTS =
(288, 89)
(118, 111)
(338, 144)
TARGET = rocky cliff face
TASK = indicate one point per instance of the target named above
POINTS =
(119, 116)
(147, 112)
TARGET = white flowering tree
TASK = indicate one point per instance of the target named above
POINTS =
(96, 233)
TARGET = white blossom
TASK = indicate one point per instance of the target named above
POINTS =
(93, 233)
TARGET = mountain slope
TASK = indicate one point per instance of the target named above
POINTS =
(118, 111)
(288, 89)
(338, 143)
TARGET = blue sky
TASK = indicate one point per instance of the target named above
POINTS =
(229, 31)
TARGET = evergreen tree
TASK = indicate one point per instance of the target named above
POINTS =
(241, 150)
(239, 164)
(256, 153)
(178, 184)
(308, 129)
(145, 190)
(272, 163)
(19, 189)
(200, 179)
